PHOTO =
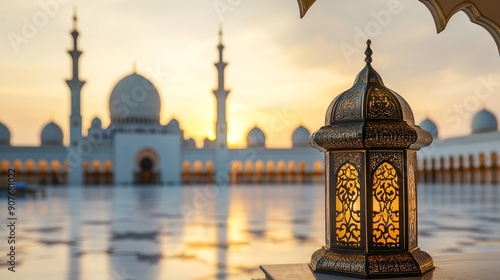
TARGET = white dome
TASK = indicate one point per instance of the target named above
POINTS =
(207, 143)
(173, 124)
(96, 123)
(190, 143)
(430, 127)
(134, 100)
(51, 134)
(484, 121)
(256, 138)
(300, 137)
(4, 135)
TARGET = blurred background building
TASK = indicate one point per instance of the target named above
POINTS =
(466, 159)
(136, 148)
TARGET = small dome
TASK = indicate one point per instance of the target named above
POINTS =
(134, 100)
(51, 134)
(256, 138)
(190, 143)
(207, 143)
(173, 124)
(96, 123)
(484, 121)
(4, 135)
(300, 137)
(429, 126)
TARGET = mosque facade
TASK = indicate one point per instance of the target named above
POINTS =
(136, 148)
(465, 159)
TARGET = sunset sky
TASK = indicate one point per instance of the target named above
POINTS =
(281, 68)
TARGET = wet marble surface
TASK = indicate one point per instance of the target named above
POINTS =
(207, 232)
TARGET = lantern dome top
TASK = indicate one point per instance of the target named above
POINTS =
(369, 115)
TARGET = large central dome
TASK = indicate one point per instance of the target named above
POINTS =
(134, 100)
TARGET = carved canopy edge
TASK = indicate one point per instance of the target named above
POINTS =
(304, 5)
(442, 12)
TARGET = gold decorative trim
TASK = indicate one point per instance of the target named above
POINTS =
(376, 135)
(412, 263)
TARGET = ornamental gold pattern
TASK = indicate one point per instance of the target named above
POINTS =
(423, 259)
(339, 137)
(396, 263)
(398, 135)
(382, 105)
(412, 199)
(348, 207)
(411, 263)
(340, 159)
(386, 213)
(348, 107)
(395, 158)
(327, 260)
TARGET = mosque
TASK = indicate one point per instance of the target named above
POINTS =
(136, 148)
(466, 159)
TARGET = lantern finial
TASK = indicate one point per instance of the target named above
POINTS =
(368, 52)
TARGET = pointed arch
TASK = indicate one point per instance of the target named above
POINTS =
(4, 165)
(318, 166)
(249, 166)
(18, 164)
(55, 165)
(198, 166)
(270, 165)
(281, 166)
(186, 166)
(209, 166)
(108, 166)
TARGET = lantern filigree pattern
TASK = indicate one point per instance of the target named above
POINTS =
(347, 107)
(348, 207)
(386, 207)
(382, 105)
(412, 198)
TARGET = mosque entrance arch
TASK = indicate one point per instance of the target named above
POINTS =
(146, 170)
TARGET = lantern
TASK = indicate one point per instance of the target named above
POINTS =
(370, 141)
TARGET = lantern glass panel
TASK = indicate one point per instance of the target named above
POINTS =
(386, 212)
(348, 207)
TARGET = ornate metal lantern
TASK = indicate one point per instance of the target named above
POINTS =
(370, 141)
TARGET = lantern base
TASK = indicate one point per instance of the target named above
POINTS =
(374, 265)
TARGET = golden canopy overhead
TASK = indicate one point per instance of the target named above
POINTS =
(485, 13)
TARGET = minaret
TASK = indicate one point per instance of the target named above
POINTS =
(221, 152)
(75, 172)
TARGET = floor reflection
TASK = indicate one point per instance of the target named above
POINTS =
(206, 232)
